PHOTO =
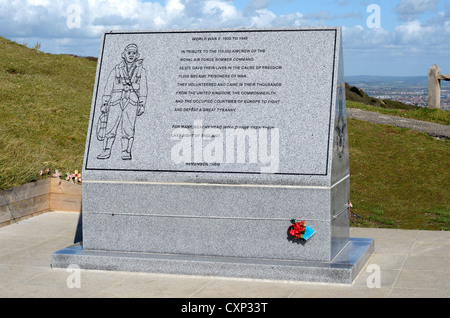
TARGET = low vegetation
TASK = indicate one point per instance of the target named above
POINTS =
(44, 108)
(399, 178)
(420, 113)
(356, 98)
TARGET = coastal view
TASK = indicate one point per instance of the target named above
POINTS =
(411, 90)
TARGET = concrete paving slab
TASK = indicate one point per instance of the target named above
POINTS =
(241, 288)
(410, 263)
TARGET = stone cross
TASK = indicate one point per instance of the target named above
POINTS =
(434, 86)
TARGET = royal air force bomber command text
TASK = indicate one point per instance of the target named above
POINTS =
(229, 307)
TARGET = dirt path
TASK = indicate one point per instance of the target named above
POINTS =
(433, 129)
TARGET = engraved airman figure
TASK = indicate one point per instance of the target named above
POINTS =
(124, 99)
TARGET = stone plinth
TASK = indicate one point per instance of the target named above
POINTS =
(204, 144)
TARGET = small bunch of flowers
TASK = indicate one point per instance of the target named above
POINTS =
(349, 206)
(75, 177)
(300, 231)
(297, 229)
(45, 171)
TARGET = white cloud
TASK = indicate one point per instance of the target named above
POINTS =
(174, 7)
(45, 21)
(48, 19)
(410, 31)
(360, 37)
(221, 10)
(262, 18)
(415, 34)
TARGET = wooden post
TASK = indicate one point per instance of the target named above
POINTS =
(434, 87)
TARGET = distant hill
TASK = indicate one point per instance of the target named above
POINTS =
(364, 81)
(356, 94)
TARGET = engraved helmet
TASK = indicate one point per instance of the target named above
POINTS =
(131, 47)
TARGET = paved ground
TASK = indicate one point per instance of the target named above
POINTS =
(433, 129)
(412, 263)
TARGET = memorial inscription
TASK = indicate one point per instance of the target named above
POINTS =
(226, 136)
(226, 84)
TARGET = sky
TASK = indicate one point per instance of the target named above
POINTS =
(385, 37)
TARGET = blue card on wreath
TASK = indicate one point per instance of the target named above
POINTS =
(308, 233)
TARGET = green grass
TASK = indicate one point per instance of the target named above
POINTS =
(426, 114)
(44, 108)
(440, 217)
(399, 178)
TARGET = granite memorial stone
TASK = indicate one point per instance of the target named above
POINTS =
(203, 145)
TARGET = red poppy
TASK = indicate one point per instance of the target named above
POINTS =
(297, 229)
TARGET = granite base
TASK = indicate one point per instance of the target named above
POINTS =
(343, 269)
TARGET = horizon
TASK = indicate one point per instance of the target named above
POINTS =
(384, 38)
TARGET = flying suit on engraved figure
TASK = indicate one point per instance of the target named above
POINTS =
(124, 99)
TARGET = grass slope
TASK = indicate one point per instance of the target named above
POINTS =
(44, 108)
(399, 178)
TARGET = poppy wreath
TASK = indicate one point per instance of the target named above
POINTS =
(297, 229)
